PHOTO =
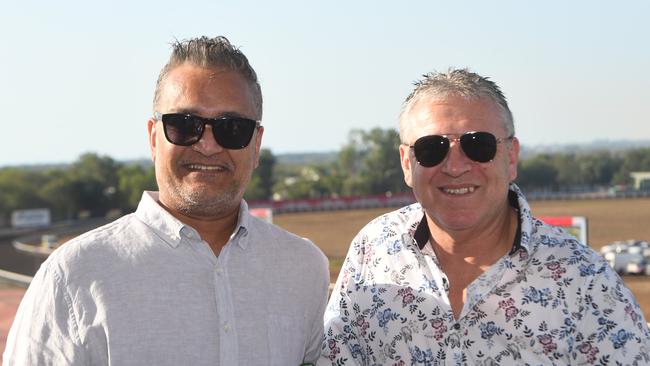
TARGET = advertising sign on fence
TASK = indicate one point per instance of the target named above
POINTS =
(34, 217)
(575, 225)
(264, 213)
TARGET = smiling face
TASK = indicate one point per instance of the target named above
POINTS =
(459, 194)
(203, 180)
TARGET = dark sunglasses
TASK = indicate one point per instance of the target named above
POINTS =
(479, 146)
(186, 129)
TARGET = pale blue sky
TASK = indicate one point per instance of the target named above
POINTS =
(78, 76)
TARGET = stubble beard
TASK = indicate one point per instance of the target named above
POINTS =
(200, 202)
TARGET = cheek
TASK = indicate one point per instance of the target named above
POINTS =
(503, 172)
(166, 155)
(244, 160)
(423, 177)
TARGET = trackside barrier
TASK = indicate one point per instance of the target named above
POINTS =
(403, 199)
(17, 278)
(336, 203)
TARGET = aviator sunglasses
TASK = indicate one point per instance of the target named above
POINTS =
(479, 146)
(186, 129)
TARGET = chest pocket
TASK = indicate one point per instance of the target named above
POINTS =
(286, 339)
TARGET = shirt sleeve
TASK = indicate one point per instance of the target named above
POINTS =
(611, 326)
(44, 331)
(316, 337)
(341, 344)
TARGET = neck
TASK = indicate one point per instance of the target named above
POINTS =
(477, 247)
(215, 230)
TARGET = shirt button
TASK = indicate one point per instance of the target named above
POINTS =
(219, 270)
(227, 328)
(456, 326)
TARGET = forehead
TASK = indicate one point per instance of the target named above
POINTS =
(453, 115)
(206, 91)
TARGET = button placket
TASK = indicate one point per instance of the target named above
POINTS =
(228, 334)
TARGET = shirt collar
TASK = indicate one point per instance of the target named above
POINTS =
(525, 224)
(170, 229)
(164, 224)
(422, 234)
(242, 227)
(514, 203)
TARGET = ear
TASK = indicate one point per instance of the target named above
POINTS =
(258, 144)
(405, 160)
(152, 134)
(513, 158)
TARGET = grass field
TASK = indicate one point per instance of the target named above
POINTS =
(608, 220)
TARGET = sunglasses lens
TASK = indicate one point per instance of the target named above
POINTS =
(233, 133)
(185, 130)
(431, 150)
(181, 129)
(479, 146)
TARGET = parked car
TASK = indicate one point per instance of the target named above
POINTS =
(628, 257)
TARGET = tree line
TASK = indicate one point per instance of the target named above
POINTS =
(367, 164)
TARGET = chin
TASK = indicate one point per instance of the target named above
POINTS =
(456, 221)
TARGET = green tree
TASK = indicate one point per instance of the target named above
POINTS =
(637, 160)
(537, 172)
(370, 162)
(19, 190)
(568, 170)
(132, 181)
(599, 168)
(57, 192)
(94, 183)
(263, 179)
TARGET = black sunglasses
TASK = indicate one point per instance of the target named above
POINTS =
(479, 146)
(186, 129)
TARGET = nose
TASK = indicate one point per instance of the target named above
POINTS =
(207, 145)
(456, 163)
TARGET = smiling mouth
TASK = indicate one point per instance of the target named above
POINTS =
(458, 191)
(206, 168)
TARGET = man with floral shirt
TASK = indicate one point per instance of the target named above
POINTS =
(467, 276)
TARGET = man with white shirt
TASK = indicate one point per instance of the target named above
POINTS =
(190, 278)
(467, 276)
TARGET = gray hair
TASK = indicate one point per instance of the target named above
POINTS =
(215, 52)
(455, 82)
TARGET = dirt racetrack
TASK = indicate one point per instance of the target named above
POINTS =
(608, 220)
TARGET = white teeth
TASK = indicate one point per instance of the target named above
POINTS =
(459, 190)
(204, 167)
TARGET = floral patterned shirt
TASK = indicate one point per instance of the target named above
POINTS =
(550, 301)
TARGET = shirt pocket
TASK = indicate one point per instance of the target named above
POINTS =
(286, 339)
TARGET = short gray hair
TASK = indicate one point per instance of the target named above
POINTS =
(455, 82)
(215, 52)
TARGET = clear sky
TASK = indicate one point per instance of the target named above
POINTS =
(78, 76)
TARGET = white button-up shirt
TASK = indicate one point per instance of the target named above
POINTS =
(146, 290)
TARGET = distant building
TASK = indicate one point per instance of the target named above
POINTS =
(641, 180)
